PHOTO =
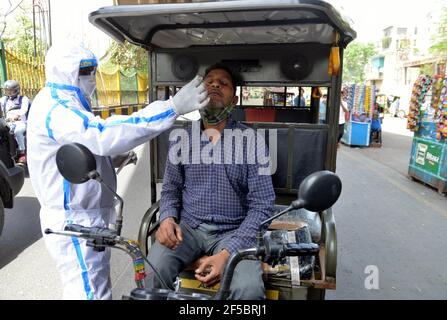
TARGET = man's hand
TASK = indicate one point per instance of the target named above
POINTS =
(169, 233)
(211, 268)
(193, 96)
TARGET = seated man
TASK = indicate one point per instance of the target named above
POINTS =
(376, 127)
(212, 209)
(15, 109)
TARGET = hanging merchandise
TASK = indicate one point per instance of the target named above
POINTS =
(441, 113)
(418, 95)
(360, 102)
(428, 120)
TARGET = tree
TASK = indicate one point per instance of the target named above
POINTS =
(19, 35)
(129, 57)
(356, 57)
(440, 39)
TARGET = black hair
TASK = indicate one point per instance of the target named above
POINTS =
(235, 78)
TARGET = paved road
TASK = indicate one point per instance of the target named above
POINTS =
(386, 220)
(24, 218)
(383, 220)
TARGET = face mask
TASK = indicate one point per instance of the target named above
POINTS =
(215, 115)
(87, 84)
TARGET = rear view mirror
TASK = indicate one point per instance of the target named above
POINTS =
(75, 162)
(319, 191)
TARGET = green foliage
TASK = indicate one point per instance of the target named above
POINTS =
(20, 36)
(356, 57)
(440, 40)
(129, 57)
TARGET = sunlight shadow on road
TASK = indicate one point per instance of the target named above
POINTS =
(397, 126)
(22, 228)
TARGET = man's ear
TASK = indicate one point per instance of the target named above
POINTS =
(235, 100)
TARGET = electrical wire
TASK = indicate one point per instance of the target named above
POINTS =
(157, 274)
(8, 12)
(10, 5)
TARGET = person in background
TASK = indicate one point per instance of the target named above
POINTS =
(376, 125)
(15, 108)
(301, 98)
(395, 106)
(322, 111)
(380, 111)
(342, 116)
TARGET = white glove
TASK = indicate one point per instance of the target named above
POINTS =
(193, 96)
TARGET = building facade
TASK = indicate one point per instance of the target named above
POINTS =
(403, 51)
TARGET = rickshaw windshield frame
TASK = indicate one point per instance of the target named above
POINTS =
(181, 25)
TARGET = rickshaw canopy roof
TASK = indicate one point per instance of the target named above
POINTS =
(181, 25)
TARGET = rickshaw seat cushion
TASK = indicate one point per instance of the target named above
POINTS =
(312, 219)
(301, 152)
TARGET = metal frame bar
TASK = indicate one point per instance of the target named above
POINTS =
(223, 25)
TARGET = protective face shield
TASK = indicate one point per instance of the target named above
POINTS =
(87, 78)
(12, 88)
(87, 84)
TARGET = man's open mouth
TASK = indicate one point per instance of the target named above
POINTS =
(217, 93)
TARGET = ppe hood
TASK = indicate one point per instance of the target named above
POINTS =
(62, 63)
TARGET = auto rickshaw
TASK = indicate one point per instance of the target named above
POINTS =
(286, 45)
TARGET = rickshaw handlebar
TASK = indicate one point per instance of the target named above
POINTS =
(267, 253)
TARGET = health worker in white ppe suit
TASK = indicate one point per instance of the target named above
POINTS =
(61, 114)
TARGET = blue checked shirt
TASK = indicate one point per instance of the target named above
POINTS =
(230, 195)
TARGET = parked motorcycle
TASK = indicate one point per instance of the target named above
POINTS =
(12, 176)
(19, 158)
(77, 164)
